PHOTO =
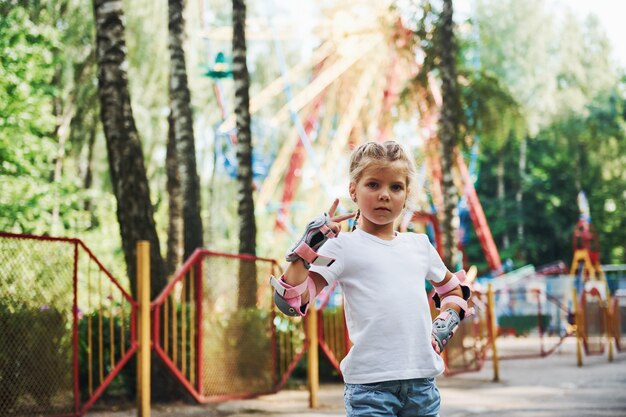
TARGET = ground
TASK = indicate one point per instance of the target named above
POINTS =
(553, 386)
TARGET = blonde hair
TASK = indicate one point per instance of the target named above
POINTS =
(373, 153)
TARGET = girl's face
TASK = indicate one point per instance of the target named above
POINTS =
(380, 193)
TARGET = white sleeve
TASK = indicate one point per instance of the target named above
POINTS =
(436, 268)
(333, 249)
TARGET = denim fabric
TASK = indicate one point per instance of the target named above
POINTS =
(404, 398)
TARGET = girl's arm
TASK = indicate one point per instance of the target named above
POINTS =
(293, 289)
(296, 273)
(455, 291)
(451, 297)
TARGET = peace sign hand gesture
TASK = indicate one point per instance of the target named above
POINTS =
(318, 231)
(335, 221)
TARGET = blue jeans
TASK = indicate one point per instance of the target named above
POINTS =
(403, 398)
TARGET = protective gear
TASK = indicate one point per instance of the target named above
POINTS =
(317, 232)
(444, 326)
(288, 298)
(440, 295)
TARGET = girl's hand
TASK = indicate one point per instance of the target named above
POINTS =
(435, 345)
(335, 221)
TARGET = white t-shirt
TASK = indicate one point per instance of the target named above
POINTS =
(386, 305)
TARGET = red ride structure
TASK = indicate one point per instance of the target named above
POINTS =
(586, 248)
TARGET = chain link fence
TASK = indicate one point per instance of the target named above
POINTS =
(333, 338)
(65, 326)
(217, 329)
(36, 321)
(68, 327)
(468, 349)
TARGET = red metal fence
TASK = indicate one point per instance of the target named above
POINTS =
(531, 322)
(67, 326)
(219, 342)
(471, 344)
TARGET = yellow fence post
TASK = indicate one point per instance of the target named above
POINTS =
(313, 377)
(143, 329)
(494, 332)
(577, 324)
(608, 319)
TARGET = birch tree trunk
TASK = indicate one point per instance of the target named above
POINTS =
(175, 245)
(135, 213)
(519, 197)
(247, 224)
(182, 119)
(448, 130)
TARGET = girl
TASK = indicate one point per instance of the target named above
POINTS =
(391, 368)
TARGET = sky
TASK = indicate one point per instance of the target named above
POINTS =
(612, 14)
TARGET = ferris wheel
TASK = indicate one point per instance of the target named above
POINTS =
(347, 91)
(353, 80)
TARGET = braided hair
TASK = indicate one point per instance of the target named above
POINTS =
(356, 220)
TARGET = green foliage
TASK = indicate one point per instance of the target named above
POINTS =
(33, 275)
(491, 112)
(36, 72)
(35, 356)
(517, 42)
(528, 78)
(248, 336)
(574, 153)
(522, 74)
(123, 385)
(26, 119)
(585, 153)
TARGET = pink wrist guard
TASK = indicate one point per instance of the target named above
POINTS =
(316, 234)
(440, 295)
(444, 326)
(288, 298)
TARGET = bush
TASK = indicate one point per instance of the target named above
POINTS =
(35, 356)
(124, 384)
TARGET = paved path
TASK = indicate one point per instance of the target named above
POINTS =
(545, 387)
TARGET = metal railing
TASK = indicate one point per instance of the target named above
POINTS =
(215, 328)
(67, 326)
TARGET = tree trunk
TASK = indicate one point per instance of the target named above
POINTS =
(501, 196)
(135, 213)
(175, 246)
(182, 118)
(62, 134)
(448, 130)
(126, 165)
(519, 197)
(88, 173)
(247, 225)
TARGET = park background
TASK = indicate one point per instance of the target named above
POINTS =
(537, 73)
(550, 80)
(538, 113)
